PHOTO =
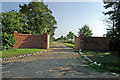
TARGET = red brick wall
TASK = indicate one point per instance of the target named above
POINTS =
(93, 43)
(96, 43)
(76, 43)
(30, 40)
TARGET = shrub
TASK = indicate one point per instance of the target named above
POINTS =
(8, 40)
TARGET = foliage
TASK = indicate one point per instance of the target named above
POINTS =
(114, 18)
(17, 52)
(12, 21)
(0, 31)
(60, 38)
(70, 35)
(65, 38)
(32, 18)
(39, 18)
(7, 40)
(85, 30)
(51, 40)
(8, 20)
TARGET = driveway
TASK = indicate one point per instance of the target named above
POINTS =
(59, 61)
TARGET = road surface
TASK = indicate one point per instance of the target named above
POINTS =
(59, 61)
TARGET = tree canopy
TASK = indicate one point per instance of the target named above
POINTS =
(39, 18)
(70, 35)
(114, 19)
(12, 21)
(113, 31)
(85, 30)
(60, 38)
(33, 18)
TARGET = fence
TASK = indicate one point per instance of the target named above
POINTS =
(31, 40)
(92, 43)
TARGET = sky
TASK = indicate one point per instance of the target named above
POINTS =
(71, 16)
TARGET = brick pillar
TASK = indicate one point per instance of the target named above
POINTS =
(45, 41)
(81, 41)
(15, 34)
(76, 44)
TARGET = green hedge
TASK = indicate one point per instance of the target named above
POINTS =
(8, 40)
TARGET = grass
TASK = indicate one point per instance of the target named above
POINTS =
(16, 52)
(110, 62)
(67, 44)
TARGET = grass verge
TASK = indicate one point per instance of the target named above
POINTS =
(109, 62)
(17, 52)
(67, 44)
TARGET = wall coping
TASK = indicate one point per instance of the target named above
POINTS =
(29, 34)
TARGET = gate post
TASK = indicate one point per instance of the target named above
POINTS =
(81, 41)
(15, 33)
(45, 41)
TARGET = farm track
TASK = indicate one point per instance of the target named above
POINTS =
(59, 61)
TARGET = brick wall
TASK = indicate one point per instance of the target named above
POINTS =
(93, 43)
(30, 40)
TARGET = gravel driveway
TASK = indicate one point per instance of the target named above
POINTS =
(59, 62)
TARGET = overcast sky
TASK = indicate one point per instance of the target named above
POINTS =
(72, 15)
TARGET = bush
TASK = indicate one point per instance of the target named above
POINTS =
(8, 41)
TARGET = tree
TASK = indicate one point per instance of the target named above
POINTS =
(53, 38)
(65, 38)
(0, 31)
(60, 38)
(12, 21)
(85, 30)
(39, 18)
(33, 18)
(113, 31)
(70, 35)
